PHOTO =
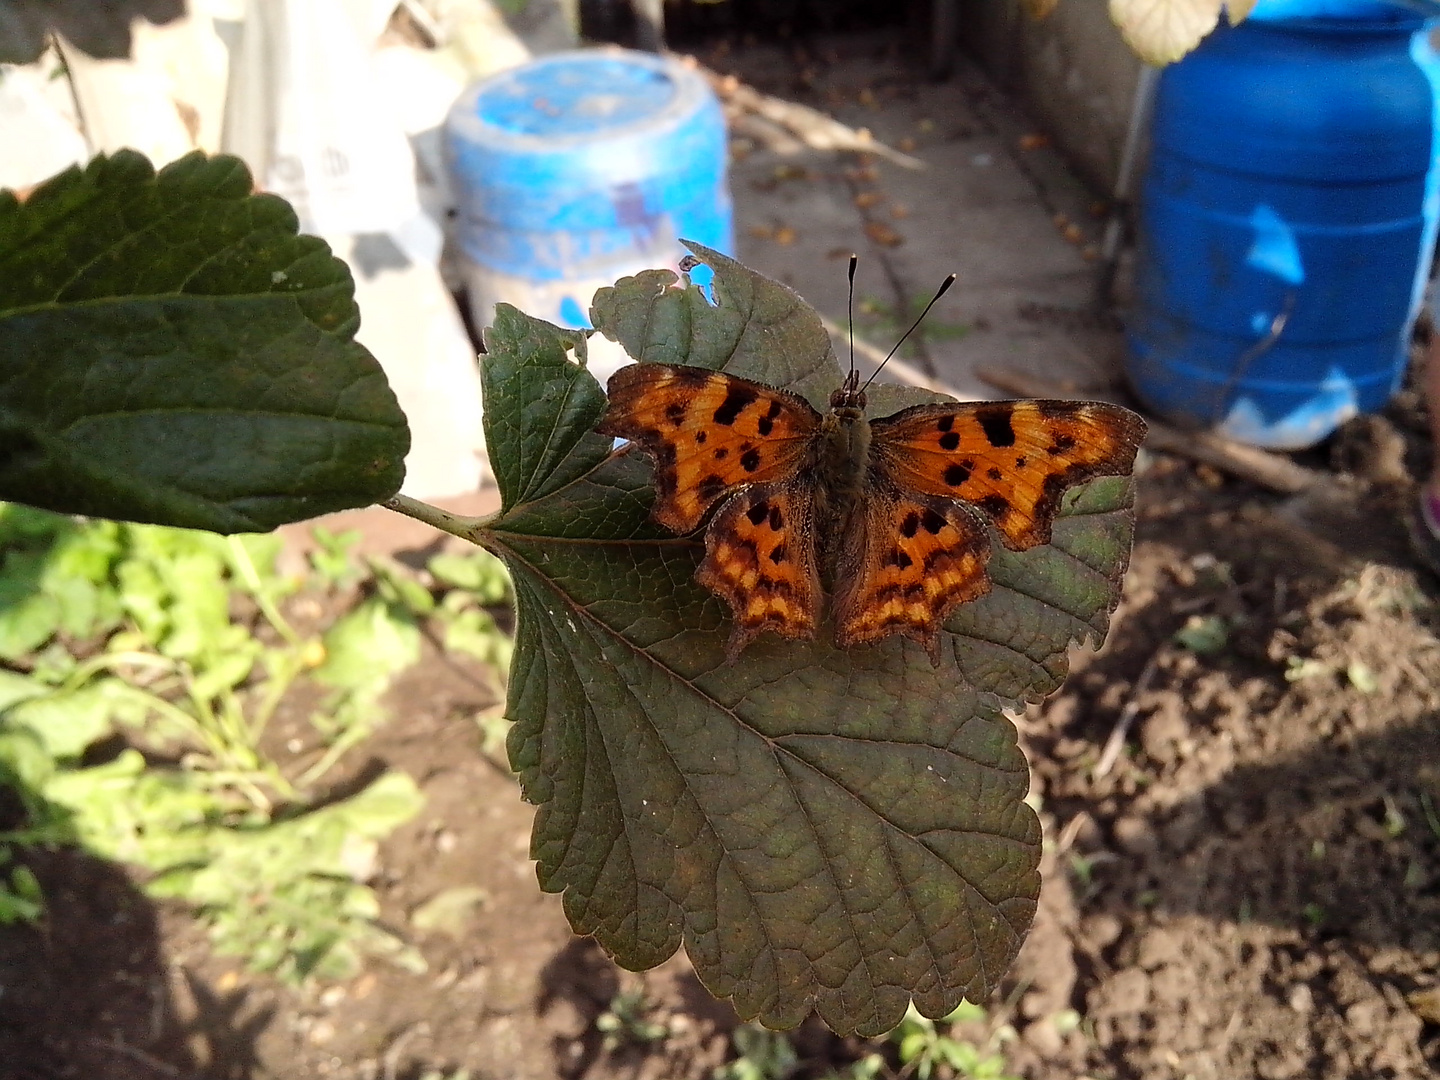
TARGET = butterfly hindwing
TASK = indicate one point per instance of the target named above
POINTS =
(1011, 459)
(906, 561)
(710, 433)
(760, 559)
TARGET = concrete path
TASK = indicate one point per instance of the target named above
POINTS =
(993, 205)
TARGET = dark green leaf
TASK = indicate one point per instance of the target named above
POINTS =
(1013, 640)
(826, 829)
(760, 330)
(172, 352)
(539, 408)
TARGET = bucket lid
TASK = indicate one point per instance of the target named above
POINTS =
(576, 94)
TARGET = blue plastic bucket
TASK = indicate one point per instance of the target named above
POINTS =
(581, 167)
(1287, 220)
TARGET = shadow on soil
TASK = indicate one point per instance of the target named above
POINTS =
(88, 992)
(1246, 795)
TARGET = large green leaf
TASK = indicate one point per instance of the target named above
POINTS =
(826, 829)
(172, 352)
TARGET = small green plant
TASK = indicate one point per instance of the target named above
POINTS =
(930, 1048)
(175, 640)
(761, 1054)
(1204, 635)
(1300, 668)
(627, 1022)
(20, 897)
(1361, 677)
(332, 560)
(476, 581)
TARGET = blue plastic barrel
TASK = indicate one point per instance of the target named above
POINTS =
(581, 167)
(1287, 220)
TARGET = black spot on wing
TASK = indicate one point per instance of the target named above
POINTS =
(675, 413)
(901, 559)
(750, 460)
(950, 440)
(758, 512)
(993, 473)
(734, 404)
(767, 422)
(776, 518)
(711, 487)
(1021, 462)
(945, 423)
(938, 556)
(1062, 444)
(779, 554)
(958, 472)
(995, 422)
(932, 521)
(911, 525)
(997, 506)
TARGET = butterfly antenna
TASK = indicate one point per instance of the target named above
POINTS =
(850, 312)
(944, 288)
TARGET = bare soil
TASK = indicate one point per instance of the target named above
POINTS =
(1251, 889)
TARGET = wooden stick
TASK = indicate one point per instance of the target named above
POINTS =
(1116, 742)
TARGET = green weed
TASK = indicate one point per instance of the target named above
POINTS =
(761, 1054)
(176, 641)
(929, 1047)
(627, 1022)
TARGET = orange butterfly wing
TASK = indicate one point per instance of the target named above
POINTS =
(913, 553)
(906, 561)
(717, 438)
(710, 434)
(1013, 460)
(760, 559)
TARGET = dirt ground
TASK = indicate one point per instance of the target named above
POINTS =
(1249, 888)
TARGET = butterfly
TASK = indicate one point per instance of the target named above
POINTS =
(891, 516)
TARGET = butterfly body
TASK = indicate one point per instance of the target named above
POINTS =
(889, 516)
(839, 471)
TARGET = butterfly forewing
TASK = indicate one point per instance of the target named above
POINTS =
(1011, 459)
(760, 559)
(709, 433)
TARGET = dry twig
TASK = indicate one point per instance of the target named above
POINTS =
(1116, 742)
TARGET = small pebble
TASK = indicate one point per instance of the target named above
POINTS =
(1300, 998)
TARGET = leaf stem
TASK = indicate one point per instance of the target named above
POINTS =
(240, 559)
(467, 528)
